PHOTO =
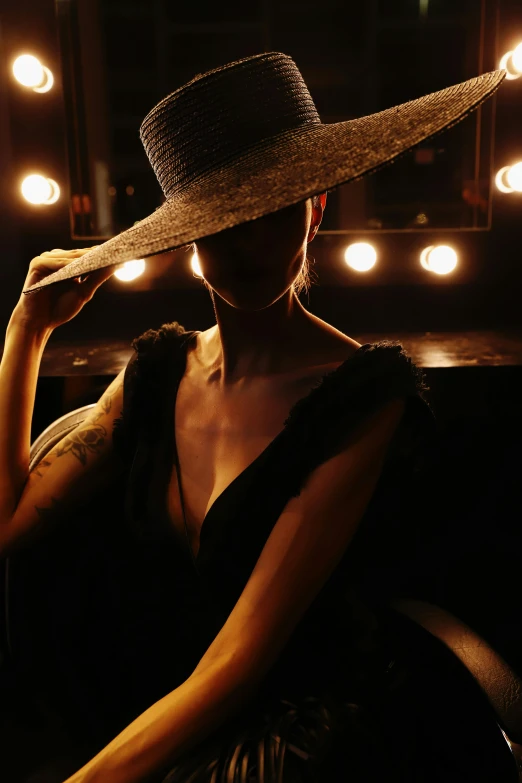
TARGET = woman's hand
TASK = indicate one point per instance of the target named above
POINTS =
(50, 307)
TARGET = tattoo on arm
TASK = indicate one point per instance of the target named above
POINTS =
(81, 441)
(87, 437)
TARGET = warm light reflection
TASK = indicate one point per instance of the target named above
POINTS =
(506, 63)
(48, 83)
(40, 190)
(509, 178)
(360, 256)
(441, 259)
(130, 270)
(195, 265)
(514, 177)
(501, 182)
(516, 58)
(30, 72)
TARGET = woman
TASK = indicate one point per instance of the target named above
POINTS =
(262, 453)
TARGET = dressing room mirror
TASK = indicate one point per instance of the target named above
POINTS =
(120, 57)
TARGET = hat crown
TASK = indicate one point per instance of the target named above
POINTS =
(221, 114)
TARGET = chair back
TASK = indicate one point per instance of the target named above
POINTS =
(57, 430)
(498, 681)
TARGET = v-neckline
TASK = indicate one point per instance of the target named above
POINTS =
(226, 491)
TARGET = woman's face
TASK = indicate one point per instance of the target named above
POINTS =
(252, 265)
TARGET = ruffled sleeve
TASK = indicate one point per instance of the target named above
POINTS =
(144, 384)
(139, 432)
(376, 374)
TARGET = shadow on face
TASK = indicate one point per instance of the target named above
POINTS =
(252, 265)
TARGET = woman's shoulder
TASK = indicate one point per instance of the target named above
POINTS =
(365, 375)
(373, 375)
(376, 373)
(360, 363)
(325, 344)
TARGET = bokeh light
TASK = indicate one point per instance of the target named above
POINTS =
(507, 64)
(195, 265)
(30, 72)
(514, 177)
(48, 83)
(37, 189)
(130, 270)
(360, 256)
(501, 182)
(516, 58)
(441, 259)
(509, 178)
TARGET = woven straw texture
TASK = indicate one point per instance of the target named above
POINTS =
(245, 140)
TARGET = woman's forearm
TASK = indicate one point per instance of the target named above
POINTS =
(172, 726)
(19, 369)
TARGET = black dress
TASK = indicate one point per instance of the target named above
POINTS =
(309, 714)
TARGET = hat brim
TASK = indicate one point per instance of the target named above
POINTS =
(282, 171)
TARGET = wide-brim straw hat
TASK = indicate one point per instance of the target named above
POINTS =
(245, 140)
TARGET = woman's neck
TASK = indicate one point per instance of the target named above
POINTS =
(245, 344)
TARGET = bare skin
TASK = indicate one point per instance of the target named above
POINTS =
(83, 440)
(244, 374)
(87, 438)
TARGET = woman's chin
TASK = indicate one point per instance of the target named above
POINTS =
(250, 297)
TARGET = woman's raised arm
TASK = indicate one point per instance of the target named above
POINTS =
(83, 459)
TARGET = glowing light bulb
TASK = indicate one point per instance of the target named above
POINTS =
(40, 190)
(195, 265)
(509, 178)
(506, 63)
(501, 180)
(514, 177)
(441, 259)
(28, 70)
(130, 270)
(516, 58)
(360, 256)
(47, 83)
